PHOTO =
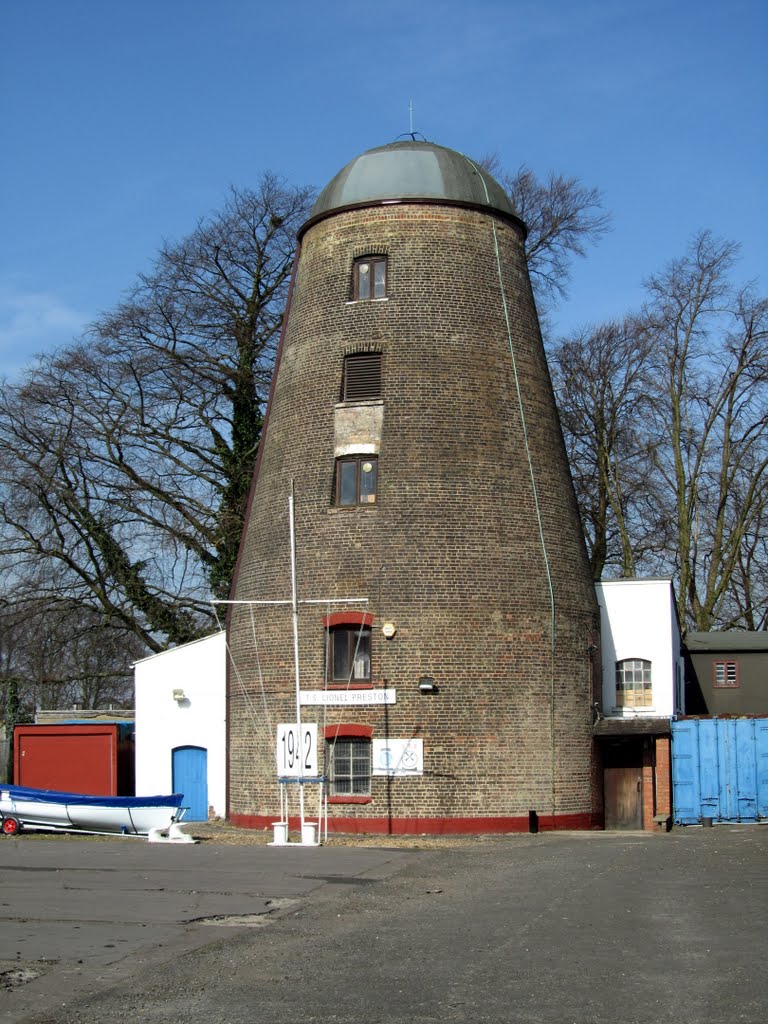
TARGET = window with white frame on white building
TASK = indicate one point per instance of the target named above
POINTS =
(633, 683)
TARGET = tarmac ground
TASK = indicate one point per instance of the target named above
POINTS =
(591, 927)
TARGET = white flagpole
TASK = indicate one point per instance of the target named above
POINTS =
(295, 616)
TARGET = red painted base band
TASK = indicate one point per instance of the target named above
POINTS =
(432, 826)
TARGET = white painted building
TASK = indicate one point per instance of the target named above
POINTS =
(642, 661)
(181, 725)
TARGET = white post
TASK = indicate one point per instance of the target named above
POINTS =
(312, 831)
(295, 616)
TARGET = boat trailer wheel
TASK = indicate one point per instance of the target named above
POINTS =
(11, 826)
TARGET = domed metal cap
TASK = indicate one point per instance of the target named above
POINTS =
(411, 170)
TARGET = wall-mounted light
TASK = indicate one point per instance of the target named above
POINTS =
(427, 684)
(179, 695)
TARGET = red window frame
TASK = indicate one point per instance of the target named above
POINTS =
(351, 621)
(724, 664)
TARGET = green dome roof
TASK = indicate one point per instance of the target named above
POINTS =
(411, 170)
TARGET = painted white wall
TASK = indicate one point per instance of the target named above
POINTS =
(638, 620)
(199, 719)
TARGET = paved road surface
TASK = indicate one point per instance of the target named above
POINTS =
(595, 927)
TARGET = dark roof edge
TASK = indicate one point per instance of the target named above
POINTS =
(727, 640)
(415, 201)
(632, 727)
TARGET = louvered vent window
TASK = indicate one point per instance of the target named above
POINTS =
(362, 377)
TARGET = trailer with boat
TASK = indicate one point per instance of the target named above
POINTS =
(23, 808)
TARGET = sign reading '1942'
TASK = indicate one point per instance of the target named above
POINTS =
(296, 750)
(347, 697)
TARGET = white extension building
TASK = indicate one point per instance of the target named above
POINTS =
(641, 649)
(181, 725)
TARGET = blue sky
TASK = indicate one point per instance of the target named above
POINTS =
(124, 121)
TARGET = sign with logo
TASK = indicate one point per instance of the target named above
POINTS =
(398, 757)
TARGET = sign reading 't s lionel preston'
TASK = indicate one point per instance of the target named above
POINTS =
(347, 698)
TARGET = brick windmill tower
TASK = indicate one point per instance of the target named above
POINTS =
(446, 614)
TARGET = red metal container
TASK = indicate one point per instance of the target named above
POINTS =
(83, 757)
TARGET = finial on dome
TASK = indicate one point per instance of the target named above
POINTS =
(411, 134)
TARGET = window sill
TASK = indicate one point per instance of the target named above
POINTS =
(366, 302)
(364, 403)
(352, 508)
(350, 799)
(350, 686)
(631, 712)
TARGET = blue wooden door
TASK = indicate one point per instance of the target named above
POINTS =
(190, 777)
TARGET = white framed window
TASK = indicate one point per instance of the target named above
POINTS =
(633, 683)
(725, 674)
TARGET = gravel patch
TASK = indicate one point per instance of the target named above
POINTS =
(221, 832)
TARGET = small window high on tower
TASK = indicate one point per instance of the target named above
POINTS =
(370, 278)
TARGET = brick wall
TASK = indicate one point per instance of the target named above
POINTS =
(657, 782)
(451, 551)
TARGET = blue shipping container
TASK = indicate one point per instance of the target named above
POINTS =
(720, 769)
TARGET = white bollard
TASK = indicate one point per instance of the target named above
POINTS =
(280, 833)
(309, 834)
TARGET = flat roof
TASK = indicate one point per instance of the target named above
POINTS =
(639, 726)
(728, 640)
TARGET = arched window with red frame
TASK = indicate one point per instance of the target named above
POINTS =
(348, 648)
(348, 754)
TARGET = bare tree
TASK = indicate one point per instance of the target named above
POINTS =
(56, 655)
(202, 331)
(601, 377)
(711, 406)
(749, 584)
(563, 218)
(125, 460)
(666, 422)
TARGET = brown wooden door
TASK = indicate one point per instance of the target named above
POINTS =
(623, 786)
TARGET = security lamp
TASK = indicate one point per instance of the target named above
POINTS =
(427, 684)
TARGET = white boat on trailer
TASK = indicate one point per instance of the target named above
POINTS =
(44, 809)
